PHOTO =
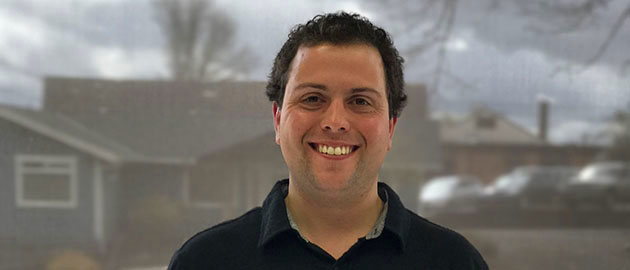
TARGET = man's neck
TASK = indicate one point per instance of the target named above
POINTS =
(334, 225)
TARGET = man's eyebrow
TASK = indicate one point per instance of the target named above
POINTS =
(311, 85)
(365, 89)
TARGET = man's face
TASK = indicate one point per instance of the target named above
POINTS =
(334, 128)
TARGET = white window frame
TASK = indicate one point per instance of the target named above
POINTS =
(48, 161)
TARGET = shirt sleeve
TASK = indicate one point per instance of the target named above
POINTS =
(469, 256)
(476, 260)
(175, 263)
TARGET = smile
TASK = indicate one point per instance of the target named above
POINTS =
(333, 150)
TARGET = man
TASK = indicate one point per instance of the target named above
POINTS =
(337, 91)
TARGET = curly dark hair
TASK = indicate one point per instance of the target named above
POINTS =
(340, 28)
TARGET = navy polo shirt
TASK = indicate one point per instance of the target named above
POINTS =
(264, 239)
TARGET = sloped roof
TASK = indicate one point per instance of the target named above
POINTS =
(262, 148)
(497, 130)
(162, 119)
(69, 132)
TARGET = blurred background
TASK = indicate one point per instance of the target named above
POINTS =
(127, 126)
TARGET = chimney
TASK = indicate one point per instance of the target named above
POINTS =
(543, 117)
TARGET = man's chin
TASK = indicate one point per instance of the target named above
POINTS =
(331, 182)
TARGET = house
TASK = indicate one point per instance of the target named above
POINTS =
(487, 144)
(54, 176)
(126, 170)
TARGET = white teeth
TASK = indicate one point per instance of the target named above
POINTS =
(336, 151)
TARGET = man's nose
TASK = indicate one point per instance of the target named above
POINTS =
(335, 118)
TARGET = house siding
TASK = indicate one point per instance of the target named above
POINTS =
(252, 173)
(147, 187)
(42, 227)
(151, 216)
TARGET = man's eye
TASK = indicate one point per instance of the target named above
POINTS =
(360, 101)
(312, 99)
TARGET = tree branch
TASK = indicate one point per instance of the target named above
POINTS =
(451, 12)
(614, 31)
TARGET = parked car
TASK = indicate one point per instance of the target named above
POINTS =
(601, 185)
(528, 188)
(449, 194)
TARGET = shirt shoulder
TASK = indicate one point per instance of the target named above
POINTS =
(220, 244)
(445, 246)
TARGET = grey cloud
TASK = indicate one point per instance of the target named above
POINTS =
(126, 24)
(511, 30)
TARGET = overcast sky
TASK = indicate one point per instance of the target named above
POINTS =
(495, 56)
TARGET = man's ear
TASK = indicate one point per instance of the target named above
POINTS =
(392, 126)
(276, 120)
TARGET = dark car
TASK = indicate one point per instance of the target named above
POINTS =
(449, 194)
(528, 188)
(601, 185)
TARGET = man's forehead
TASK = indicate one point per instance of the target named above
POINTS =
(322, 46)
(362, 58)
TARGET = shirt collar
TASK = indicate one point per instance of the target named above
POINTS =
(274, 213)
(275, 218)
(375, 232)
(398, 217)
(380, 222)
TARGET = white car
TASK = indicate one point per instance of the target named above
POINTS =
(528, 188)
(603, 185)
(449, 194)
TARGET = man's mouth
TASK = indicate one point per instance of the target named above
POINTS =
(333, 150)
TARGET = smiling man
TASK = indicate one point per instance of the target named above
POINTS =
(337, 91)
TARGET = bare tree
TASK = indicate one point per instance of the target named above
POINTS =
(550, 16)
(200, 41)
(434, 36)
(557, 17)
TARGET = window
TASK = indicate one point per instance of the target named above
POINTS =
(46, 181)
